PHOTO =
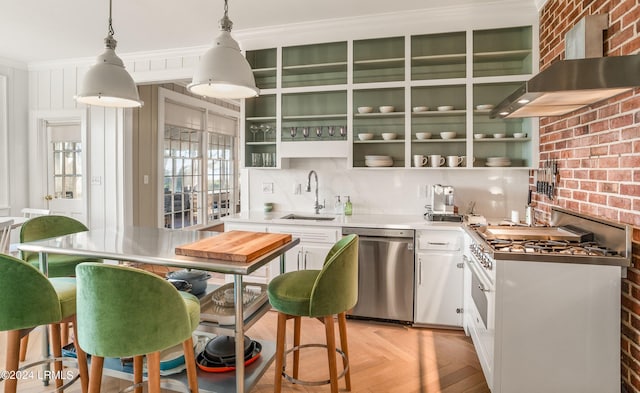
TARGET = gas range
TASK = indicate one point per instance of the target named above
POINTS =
(572, 238)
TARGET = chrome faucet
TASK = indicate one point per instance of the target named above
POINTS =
(317, 206)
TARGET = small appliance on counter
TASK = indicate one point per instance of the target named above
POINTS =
(442, 205)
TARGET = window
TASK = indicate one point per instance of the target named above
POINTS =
(67, 170)
(199, 161)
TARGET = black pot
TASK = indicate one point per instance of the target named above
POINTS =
(221, 350)
(197, 279)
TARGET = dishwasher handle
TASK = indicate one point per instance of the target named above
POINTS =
(408, 241)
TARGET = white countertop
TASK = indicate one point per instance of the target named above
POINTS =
(387, 221)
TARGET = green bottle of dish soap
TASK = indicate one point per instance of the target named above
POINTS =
(348, 207)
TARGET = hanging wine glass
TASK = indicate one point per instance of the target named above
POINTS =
(319, 132)
(254, 130)
(293, 131)
(331, 130)
(305, 132)
(343, 132)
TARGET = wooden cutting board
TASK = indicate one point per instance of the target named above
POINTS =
(239, 246)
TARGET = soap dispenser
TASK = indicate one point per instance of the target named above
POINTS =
(337, 207)
(348, 207)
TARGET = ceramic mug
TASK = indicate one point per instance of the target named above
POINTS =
(419, 160)
(436, 160)
(453, 161)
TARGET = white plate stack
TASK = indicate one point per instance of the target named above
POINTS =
(498, 161)
(378, 161)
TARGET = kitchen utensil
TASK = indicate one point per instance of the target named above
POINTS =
(386, 109)
(267, 159)
(365, 109)
(365, 136)
(293, 131)
(419, 160)
(254, 130)
(499, 136)
(519, 135)
(331, 130)
(484, 107)
(448, 135)
(343, 132)
(454, 161)
(305, 132)
(436, 160)
(443, 108)
(239, 246)
(256, 159)
(319, 132)
(479, 136)
(197, 279)
(423, 135)
(420, 108)
(219, 354)
(389, 136)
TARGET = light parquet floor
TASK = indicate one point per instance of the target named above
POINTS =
(385, 358)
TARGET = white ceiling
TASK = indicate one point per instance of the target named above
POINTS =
(42, 30)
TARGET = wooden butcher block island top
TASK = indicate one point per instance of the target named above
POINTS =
(238, 246)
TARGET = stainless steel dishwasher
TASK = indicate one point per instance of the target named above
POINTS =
(385, 273)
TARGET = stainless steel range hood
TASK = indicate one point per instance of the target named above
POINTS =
(568, 85)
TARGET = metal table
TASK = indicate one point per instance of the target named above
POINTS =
(156, 246)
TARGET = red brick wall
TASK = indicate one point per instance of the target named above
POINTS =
(598, 150)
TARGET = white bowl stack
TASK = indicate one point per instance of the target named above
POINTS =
(498, 161)
(378, 161)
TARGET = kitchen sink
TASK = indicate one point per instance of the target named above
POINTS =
(309, 218)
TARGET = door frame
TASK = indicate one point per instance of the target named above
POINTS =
(38, 174)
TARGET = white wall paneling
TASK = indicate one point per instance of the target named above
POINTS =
(4, 147)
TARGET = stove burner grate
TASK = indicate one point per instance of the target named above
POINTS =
(551, 247)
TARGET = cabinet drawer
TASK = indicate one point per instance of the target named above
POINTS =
(438, 240)
(308, 234)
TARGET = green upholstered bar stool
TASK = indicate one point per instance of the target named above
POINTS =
(45, 227)
(27, 300)
(317, 294)
(128, 312)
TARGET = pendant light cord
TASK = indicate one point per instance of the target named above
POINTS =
(225, 22)
(109, 41)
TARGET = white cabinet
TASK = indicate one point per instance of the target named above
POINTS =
(439, 278)
(315, 243)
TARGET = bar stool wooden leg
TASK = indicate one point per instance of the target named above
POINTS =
(56, 350)
(297, 321)
(153, 371)
(23, 347)
(64, 333)
(280, 341)
(189, 358)
(342, 326)
(95, 379)
(82, 360)
(331, 352)
(12, 362)
(137, 372)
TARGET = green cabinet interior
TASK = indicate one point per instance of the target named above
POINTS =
(314, 65)
(378, 60)
(263, 62)
(438, 76)
(438, 56)
(260, 127)
(498, 52)
(321, 114)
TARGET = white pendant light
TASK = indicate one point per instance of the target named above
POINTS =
(107, 83)
(223, 71)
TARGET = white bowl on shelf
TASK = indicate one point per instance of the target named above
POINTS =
(519, 135)
(443, 108)
(365, 109)
(479, 136)
(387, 109)
(387, 136)
(499, 136)
(423, 135)
(484, 107)
(420, 108)
(365, 136)
(448, 135)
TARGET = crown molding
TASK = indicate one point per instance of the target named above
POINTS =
(13, 64)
